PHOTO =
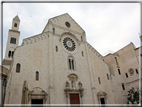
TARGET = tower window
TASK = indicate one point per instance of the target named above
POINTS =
(37, 75)
(13, 40)
(71, 63)
(56, 48)
(119, 72)
(99, 80)
(53, 30)
(116, 60)
(12, 53)
(107, 76)
(18, 68)
(9, 54)
(137, 71)
(123, 87)
(126, 75)
(15, 24)
(82, 53)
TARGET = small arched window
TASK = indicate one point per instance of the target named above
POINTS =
(15, 24)
(82, 53)
(71, 63)
(37, 75)
(9, 54)
(119, 72)
(81, 38)
(137, 71)
(99, 80)
(107, 76)
(123, 87)
(53, 30)
(18, 68)
(12, 53)
(116, 60)
(126, 75)
(56, 48)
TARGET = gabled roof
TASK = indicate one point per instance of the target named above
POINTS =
(16, 18)
(61, 18)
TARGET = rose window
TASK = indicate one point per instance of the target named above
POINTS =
(69, 44)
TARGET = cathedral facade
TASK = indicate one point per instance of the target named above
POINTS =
(58, 66)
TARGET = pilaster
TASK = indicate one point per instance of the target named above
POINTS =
(91, 76)
(51, 72)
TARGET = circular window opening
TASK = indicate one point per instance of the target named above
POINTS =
(69, 44)
(67, 24)
(131, 71)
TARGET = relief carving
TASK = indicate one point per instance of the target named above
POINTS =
(67, 85)
(80, 85)
(73, 78)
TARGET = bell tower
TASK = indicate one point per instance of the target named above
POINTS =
(13, 40)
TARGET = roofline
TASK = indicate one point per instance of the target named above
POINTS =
(126, 46)
(122, 48)
(62, 15)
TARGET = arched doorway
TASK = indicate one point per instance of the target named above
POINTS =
(102, 97)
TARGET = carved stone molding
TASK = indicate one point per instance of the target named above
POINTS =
(37, 93)
(73, 77)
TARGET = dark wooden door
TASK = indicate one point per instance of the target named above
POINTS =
(74, 99)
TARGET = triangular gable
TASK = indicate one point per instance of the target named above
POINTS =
(16, 18)
(61, 20)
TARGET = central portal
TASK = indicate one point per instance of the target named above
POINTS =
(74, 99)
(37, 101)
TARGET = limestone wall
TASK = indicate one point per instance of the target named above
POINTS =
(32, 56)
(100, 69)
(127, 59)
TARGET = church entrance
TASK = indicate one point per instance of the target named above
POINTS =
(74, 99)
(37, 101)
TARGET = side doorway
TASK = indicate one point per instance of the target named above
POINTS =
(102, 97)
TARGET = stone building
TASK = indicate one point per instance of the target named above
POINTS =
(58, 66)
(124, 70)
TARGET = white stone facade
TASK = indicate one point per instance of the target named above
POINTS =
(61, 55)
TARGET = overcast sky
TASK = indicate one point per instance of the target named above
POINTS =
(108, 26)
